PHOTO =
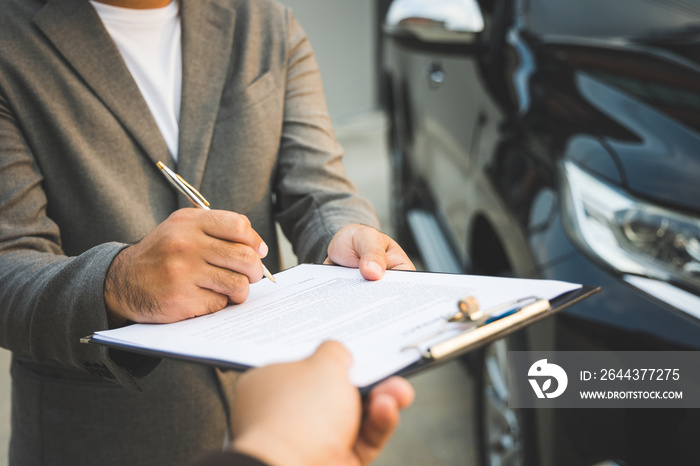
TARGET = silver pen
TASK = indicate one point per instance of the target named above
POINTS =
(195, 198)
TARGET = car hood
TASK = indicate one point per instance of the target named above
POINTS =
(660, 160)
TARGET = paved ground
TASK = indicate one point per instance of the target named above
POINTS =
(435, 431)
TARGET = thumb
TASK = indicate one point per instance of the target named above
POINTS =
(332, 352)
(360, 246)
(371, 246)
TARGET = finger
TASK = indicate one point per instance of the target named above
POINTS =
(397, 258)
(382, 418)
(398, 388)
(232, 227)
(214, 302)
(207, 302)
(235, 286)
(332, 352)
(236, 257)
(371, 246)
(195, 303)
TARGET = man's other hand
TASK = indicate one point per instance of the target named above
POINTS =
(368, 249)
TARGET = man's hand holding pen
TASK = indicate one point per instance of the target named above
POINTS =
(199, 260)
(193, 263)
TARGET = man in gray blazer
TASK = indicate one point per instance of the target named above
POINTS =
(93, 236)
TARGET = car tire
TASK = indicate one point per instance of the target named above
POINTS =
(504, 435)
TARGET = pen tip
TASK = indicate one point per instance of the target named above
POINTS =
(268, 275)
(160, 164)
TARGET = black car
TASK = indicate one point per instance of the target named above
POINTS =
(557, 139)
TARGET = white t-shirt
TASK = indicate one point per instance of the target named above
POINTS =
(149, 41)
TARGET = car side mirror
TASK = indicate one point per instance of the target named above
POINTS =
(436, 22)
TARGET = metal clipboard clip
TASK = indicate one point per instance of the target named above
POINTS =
(479, 323)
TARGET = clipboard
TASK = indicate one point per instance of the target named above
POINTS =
(457, 346)
(456, 341)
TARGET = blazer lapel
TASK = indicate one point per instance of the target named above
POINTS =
(76, 31)
(207, 38)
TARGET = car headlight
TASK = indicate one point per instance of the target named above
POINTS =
(630, 235)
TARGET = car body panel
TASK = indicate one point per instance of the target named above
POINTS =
(481, 130)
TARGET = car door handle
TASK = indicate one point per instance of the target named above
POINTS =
(436, 74)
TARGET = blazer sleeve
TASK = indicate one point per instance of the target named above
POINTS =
(48, 301)
(314, 196)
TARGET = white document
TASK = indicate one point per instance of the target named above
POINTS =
(309, 304)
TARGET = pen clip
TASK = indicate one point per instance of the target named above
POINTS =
(470, 314)
(184, 187)
(197, 194)
(469, 310)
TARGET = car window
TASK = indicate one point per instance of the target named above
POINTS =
(605, 18)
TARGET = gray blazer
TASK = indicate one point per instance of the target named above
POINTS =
(78, 181)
